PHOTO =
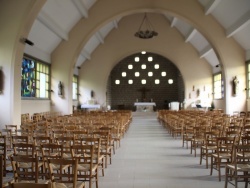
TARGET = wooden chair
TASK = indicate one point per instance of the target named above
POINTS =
(87, 164)
(20, 139)
(66, 142)
(210, 145)
(96, 142)
(198, 138)
(26, 169)
(239, 169)
(106, 148)
(223, 154)
(50, 151)
(5, 154)
(60, 177)
(4, 181)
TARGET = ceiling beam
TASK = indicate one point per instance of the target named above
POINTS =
(205, 51)
(52, 25)
(99, 37)
(85, 54)
(174, 21)
(211, 6)
(81, 8)
(190, 35)
(239, 24)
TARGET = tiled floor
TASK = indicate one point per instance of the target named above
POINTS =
(150, 158)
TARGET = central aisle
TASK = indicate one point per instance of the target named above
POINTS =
(150, 158)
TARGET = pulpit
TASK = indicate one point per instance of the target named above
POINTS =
(144, 106)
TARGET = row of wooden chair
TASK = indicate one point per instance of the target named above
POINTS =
(222, 138)
(32, 144)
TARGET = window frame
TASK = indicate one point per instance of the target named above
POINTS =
(221, 83)
(47, 75)
(77, 87)
(248, 79)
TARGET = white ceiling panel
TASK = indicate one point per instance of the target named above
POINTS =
(199, 42)
(63, 12)
(183, 27)
(80, 60)
(229, 11)
(212, 58)
(43, 38)
(243, 37)
(88, 3)
(92, 44)
(106, 29)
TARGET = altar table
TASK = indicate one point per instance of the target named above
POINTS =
(144, 106)
(91, 106)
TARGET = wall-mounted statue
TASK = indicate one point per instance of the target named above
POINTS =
(235, 86)
(60, 89)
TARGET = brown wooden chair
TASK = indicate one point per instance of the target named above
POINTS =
(26, 169)
(238, 170)
(4, 181)
(223, 154)
(210, 145)
(87, 164)
(60, 177)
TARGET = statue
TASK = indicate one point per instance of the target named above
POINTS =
(235, 86)
(60, 89)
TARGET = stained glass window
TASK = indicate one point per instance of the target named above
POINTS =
(35, 78)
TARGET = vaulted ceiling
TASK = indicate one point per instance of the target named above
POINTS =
(58, 17)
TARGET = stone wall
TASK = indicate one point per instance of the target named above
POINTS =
(123, 95)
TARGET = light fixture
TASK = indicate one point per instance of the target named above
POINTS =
(143, 52)
(157, 81)
(130, 81)
(170, 81)
(137, 59)
(150, 59)
(117, 82)
(124, 74)
(150, 74)
(146, 30)
(143, 66)
(163, 73)
(157, 66)
(137, 74)
(130, 66)
(143, 81)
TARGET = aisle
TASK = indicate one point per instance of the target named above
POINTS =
(150, 158)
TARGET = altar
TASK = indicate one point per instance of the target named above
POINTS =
(144, 106)
(91, 106)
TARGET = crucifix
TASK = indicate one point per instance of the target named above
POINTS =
(143, 93)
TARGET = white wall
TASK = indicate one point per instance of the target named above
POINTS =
(35, 106)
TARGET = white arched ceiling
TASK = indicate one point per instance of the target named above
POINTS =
(58, 17)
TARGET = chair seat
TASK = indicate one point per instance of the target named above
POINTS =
(240, 167)
(223, 155)
(86, 167)
(57, 167)
(29, 165)
(67, 185)
(7, 180)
